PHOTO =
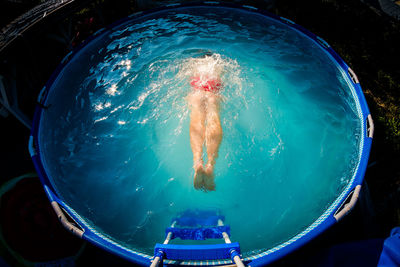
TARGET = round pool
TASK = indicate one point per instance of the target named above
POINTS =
(112, 142)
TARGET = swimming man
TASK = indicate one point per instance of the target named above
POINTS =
(205, 123)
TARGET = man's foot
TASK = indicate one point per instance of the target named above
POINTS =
(209, 183)
(199, 173)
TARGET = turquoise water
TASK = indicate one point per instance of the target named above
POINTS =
(115, 140)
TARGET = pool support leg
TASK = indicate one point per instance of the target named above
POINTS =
(350, 205)
(65, 222)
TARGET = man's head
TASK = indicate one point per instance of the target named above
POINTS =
(206, 54)
(208, 66)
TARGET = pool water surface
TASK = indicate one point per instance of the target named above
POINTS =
(115, 140)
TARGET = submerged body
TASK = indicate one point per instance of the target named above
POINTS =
(205, 123)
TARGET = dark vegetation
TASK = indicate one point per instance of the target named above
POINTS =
(9, 10)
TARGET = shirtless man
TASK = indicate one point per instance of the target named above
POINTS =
(205, 123)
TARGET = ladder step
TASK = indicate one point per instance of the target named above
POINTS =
(197, 252)
(198, 233)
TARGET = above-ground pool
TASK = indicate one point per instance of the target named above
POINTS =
(111, 136)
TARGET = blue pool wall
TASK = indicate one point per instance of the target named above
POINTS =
(319, 226)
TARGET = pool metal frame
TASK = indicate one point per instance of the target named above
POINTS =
(340, 207)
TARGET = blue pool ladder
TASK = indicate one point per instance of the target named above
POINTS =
(197, 225)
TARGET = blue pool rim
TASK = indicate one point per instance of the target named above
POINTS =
(326, 220)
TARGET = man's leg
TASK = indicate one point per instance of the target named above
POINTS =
(197, 135)
(213, 138)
